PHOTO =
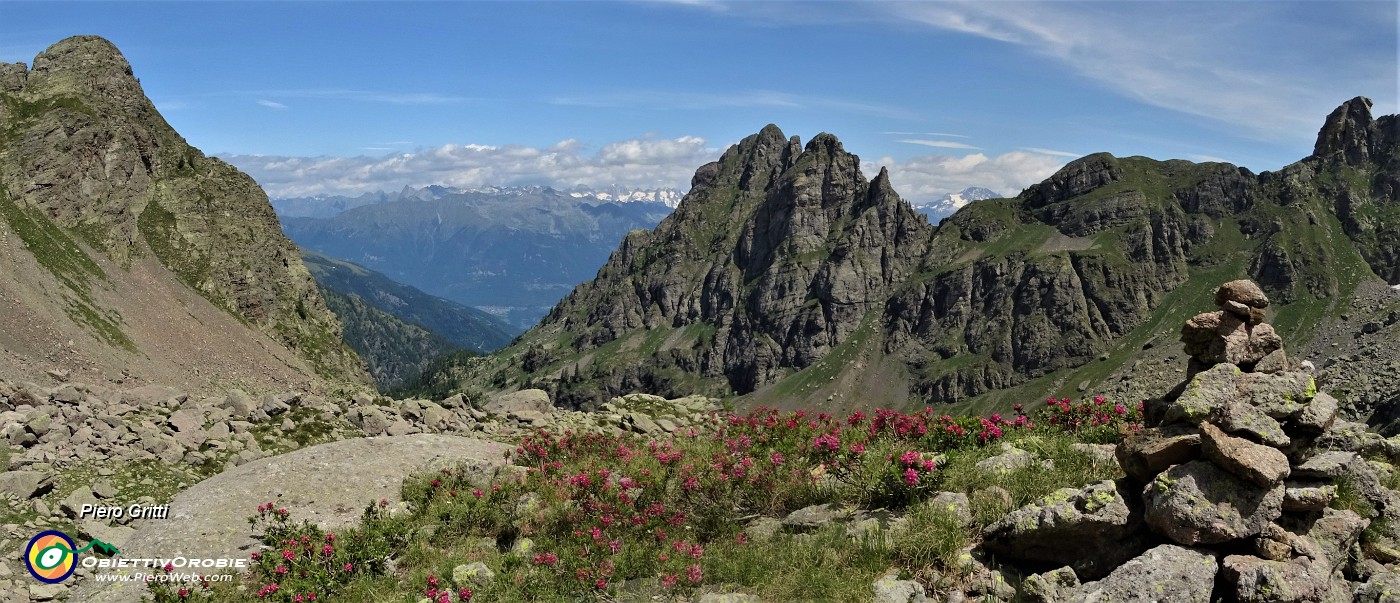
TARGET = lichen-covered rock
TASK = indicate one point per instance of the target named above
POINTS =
(1095, 528)
(1257, 463)
(1011, 458)
(1243, 291)
(1308, 495)
(890, 589)
(1144, 454)
(1319, 414)
(1254, 580)
(1200, 503)
(1165, 573)
(1049, 587)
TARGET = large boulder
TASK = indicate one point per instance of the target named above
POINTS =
(1165, 573)
(1097, 528)
(525, 400)
(1200, 503)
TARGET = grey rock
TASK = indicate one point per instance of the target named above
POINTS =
(1050, 587)
(1243, 291)
(1200, 503)
(239, 404)
(890, 589)
(1254, 580)
(1165, 573)
(73, 503)
(1326, 465)
(47, 592)
(763, 529)
(103, 488)
(1094, 527)
(1145, 453)
(25, 485)
(1303, 496)
(1257, 463)
(1319, 415)
(955, 503)
(1010, 459)
(526, 399)
(808, 519)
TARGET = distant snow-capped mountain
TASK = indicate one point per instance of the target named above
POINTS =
(328, 206)
(665, 196)
(945, 205)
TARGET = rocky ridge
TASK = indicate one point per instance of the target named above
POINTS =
(786, 278)
(88, 166)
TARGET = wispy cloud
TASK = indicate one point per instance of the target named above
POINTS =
(1218, 61)
(942, 144)
(940, 134)
(638, 162)
(1052, 152)
(1207, 158)
(701, 101)
(369, 96)
(271, 104)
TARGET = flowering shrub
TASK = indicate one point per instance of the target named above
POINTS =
(584, 513)
(1092, 420)
(303, 563)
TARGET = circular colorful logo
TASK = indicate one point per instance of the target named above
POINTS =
(50, 556)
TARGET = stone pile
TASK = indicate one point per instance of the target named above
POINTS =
(1228, 495)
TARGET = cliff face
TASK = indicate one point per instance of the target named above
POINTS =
(82, 148)
(774, 258)
(784, 269)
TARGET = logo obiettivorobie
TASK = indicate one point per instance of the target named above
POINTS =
(52, 556)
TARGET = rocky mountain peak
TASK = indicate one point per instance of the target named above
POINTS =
(1076, 178)
(82, 146)
(1347, 131)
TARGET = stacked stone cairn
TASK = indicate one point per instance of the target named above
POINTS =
(1228, 495)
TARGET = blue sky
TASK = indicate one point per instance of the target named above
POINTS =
(315, 97)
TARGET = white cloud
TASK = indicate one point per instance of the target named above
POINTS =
(942, 144)
(1229, 62)
(640, 163)
(700, 101)
(272, 104)
(927, 177)
(1052, 152)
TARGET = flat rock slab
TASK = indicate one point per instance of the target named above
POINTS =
(329, 484)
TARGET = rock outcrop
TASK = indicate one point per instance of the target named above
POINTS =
(1234, 478)
(84, 155)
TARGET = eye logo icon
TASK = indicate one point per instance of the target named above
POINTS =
(51, 556)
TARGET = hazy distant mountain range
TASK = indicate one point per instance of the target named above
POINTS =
(328, 206)
(511, 251)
